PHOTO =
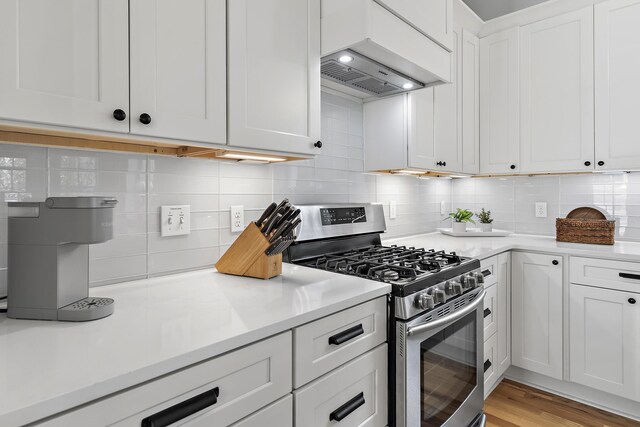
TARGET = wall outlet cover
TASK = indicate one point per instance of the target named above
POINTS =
(541, 209)
(393, 209)
(237, 219)
(443, 207)
(175, 220)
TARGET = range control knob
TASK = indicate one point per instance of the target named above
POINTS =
(470, 281)
(439, 296)
(479, 278)
(424, 301)
(453, 287)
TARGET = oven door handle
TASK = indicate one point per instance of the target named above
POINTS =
(447, 319)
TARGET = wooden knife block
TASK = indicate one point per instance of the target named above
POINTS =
(246, 256)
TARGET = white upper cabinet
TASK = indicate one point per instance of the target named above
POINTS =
(605, 348)
(65, 62)
(433, 18)
(469, 104)
(499, 103)
(421, 143)
(537, 313)
(556, 93)
(447, 126)
(617, 67)
(178, 69)
(274, 74)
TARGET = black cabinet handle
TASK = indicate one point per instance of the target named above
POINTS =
(182, 410)
(119, 115)
(487, 312)
(441, 163)
(145, 119)
(486, 273)
(343, 412)
(600, 163)
(346, 335)
(632, 300)
(587, 163)
(629, 276)
(512, 167)
(555, 262)
(318, 144)
(487, 365)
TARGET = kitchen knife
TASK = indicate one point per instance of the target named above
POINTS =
(270, 209)
(285, 229)
(271, 219)
(272, 247)
(288, 217)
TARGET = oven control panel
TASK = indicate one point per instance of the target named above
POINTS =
(437, 295)
(351, 215)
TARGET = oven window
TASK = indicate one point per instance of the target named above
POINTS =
(448, 370)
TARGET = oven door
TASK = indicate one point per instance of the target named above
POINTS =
(439, 366)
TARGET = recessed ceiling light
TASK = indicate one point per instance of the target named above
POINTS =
(243, 156)
(407, 85)
(345, 58)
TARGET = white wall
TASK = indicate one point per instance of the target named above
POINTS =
(512, 200)
(143, 183)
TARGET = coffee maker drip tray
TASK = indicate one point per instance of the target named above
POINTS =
(86, 309)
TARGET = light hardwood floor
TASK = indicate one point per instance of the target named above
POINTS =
(515, 405)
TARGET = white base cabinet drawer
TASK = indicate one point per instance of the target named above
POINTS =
(605, 273)
(278, 414)
(490, 372)
(327, 343)
(490, 311)
(246, 380)
(489, 268)
(353, 395)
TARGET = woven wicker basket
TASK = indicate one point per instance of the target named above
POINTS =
(591, 231)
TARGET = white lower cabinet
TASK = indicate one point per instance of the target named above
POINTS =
(605, 340)
(278, 414)
(537, 313)
(497, 318)
(226, 388)
(352, 395)
(329, 342)
(490, 372)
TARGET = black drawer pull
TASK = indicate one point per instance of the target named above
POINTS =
(182, 410)
(629, 276)
(487, 312)
(345, 410)
(346, 335)
(486, 273)
(487, 365)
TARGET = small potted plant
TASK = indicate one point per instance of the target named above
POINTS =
(460, 218)
(485, 220)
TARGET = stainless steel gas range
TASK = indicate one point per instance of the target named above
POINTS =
(435, 329)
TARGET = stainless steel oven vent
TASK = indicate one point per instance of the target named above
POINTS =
(358, 72)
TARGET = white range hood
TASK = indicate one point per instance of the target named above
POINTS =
(383, 54)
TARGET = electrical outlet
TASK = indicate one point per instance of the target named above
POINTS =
(541, 209)
(175, 220)
(393, 209)
(443, 207)
(237, 219)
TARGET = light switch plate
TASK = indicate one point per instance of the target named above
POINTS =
(393, 209)
(237, 219)
(443, 207)
(175, 220)
(541, 209)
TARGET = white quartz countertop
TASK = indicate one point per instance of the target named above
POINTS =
(159, 325)
(484, 247)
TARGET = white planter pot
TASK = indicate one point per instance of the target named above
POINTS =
(486, 227)
(459, 227)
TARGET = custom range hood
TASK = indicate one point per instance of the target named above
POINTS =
(368, 51)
